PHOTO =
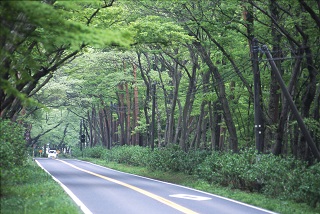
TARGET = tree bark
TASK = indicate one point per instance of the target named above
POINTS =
(221, 95)
(188, 100)
(274, 100)
(121, 114)
(147, 100)
(136, 110)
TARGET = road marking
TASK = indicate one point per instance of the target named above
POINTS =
(190, 197)
(83, 207)
(213, 195)
(149, 194)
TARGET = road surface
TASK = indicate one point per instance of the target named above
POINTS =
(100, 190)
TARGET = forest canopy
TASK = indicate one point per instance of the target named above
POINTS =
(195, 74)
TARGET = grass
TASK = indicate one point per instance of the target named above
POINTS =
(30, 190)
(259, 200)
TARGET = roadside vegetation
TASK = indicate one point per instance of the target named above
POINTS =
(25, 187)
(283, 185)
(30, 190)
(199, 81)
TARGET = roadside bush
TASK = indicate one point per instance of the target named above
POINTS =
(120, 154)
(275, 176)
(228, 169)
(166, 158)
(158, 159)
(285, 178)
(95, 152)
(76, 152)
(188, 162)
(13, 145)
(309, 189)
(140, 155)
(133, 155)
(172, 158)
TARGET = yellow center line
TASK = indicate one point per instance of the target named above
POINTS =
(149, 194)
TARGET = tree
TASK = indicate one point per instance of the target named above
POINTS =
(37, 39)
(187, 78)
(298, 29)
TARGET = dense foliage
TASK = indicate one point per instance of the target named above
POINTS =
(13, 145)
(283, 178)
(182, 72)
(189, 81)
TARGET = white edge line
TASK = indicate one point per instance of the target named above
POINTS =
(207, 193)
(69, 192)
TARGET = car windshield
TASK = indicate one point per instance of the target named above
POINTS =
(52, 151)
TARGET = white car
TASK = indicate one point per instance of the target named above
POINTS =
(52, 154)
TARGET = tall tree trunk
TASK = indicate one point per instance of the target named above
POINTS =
(128, 112)
(221, 95)
(80, 136)
(188, 100)
(106, 128)
(159, 124)
(147, 100)
(121, 114)
(259, 120)
(217, 145)
(102, 128)
(213, 121)
(128, 115)
(277, 148)
(90, 123)
(136, 110)
(60, 145)
(310, 91)
(316, 116)
(178, 126)
(170, 97)
(274, 98)
(95, 126)
(200, 125)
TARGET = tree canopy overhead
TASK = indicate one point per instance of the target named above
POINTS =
(38, 37)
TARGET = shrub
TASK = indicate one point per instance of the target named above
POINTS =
(271, 175)
(188, 162)
(140, 155)
(13, 145)
(226, 169)
(95, 152)
(275, 176)
(168, 158)
(133, 155)
(76, 152)
(309, 190)
(120, 154)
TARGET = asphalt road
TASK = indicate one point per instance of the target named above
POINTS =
(100, 190)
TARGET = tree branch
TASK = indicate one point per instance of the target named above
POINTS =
(35, 139)
(97, 10)
(311, 12)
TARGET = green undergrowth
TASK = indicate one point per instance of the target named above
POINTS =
(30, 190)
(253, 198)
(283, 178)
